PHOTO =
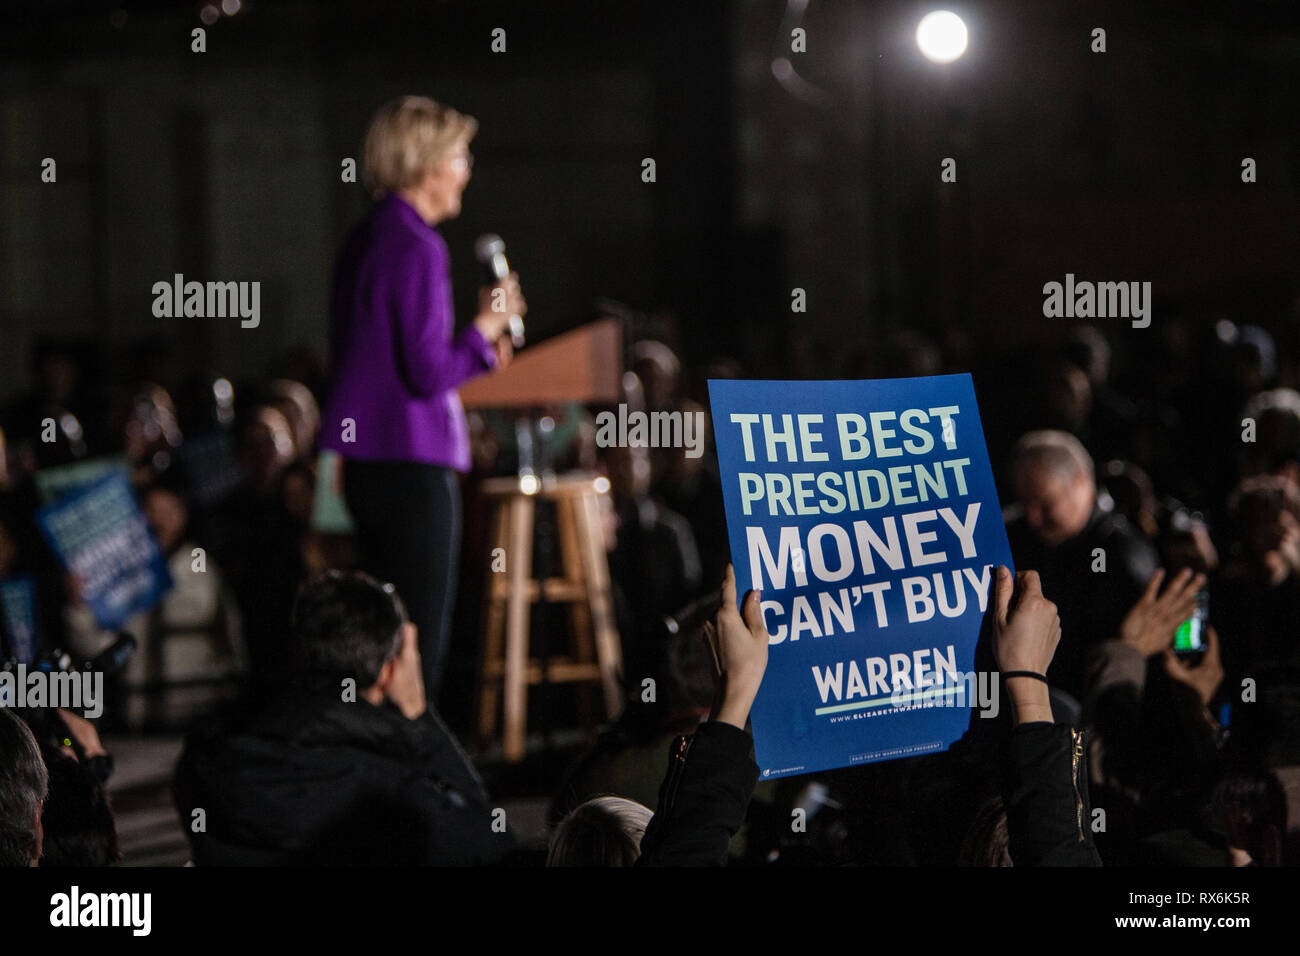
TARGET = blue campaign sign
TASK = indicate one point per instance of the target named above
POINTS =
(18, 626)
(58, 480)
(100, 535)
(866, 513)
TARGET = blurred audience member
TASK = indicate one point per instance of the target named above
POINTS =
(654, 560)
(1112, 415)
(258, 545)
(77, 820)
(1274, 417)
(24, 784)
(150, 432)
(604, 831)
(347, 765)
(190, 652)
(1132, 495)
(296, 402)
(47, 424)
(1258, 600)
(1092, 561)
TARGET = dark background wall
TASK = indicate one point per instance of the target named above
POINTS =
(225, 165)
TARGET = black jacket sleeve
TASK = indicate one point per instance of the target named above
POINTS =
(703, 798)
(450, 801)
(442, 754)
(1045, 791)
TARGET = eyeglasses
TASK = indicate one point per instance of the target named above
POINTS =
(463, 164)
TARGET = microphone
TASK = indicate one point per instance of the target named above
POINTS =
(693, 615)
(490, 251)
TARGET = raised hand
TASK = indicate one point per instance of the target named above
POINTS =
(742, 648)
(406, 688)
(1150, 624)
(1206, 676)
(1024, 639)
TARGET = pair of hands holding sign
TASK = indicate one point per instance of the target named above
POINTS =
(1026, 631)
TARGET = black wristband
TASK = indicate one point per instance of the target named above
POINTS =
(1041, 677)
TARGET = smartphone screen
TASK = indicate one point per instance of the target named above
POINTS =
(1190, 636)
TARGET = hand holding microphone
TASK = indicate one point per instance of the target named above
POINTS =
(501, 307)
(501, 302)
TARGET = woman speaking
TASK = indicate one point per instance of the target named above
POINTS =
(393, 413)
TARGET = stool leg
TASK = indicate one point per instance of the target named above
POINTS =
(492, 648)
(519, 561)
(596, 572)
(584, 648)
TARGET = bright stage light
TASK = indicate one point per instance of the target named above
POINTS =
(941, 35)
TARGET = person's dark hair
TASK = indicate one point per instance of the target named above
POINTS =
(1276, 413)
(300, 468)
(45, 349)
(346, 624)
(23, 786)
(604, 831)
(78, 820)
(1262, 499)
(172, 482)
(1256, 800)
(1086, 347)
(987, 842)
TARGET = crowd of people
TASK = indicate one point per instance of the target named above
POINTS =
(1138, 492)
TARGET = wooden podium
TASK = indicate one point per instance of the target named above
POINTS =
(584, 365)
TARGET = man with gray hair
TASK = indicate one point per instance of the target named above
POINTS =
(24, 784)
(1090, 559)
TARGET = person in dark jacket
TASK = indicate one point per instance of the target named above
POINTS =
(1155, 741)
(1022, 789)
(1091, 560)
(711, 772)
(1044, 767)
(350, 766)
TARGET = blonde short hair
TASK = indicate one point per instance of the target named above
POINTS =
(604, 831)
(407, 137)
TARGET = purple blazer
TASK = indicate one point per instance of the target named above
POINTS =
(394, 363)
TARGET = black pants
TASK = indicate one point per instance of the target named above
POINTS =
(408, 522)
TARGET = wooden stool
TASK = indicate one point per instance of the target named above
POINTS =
(504, 662)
